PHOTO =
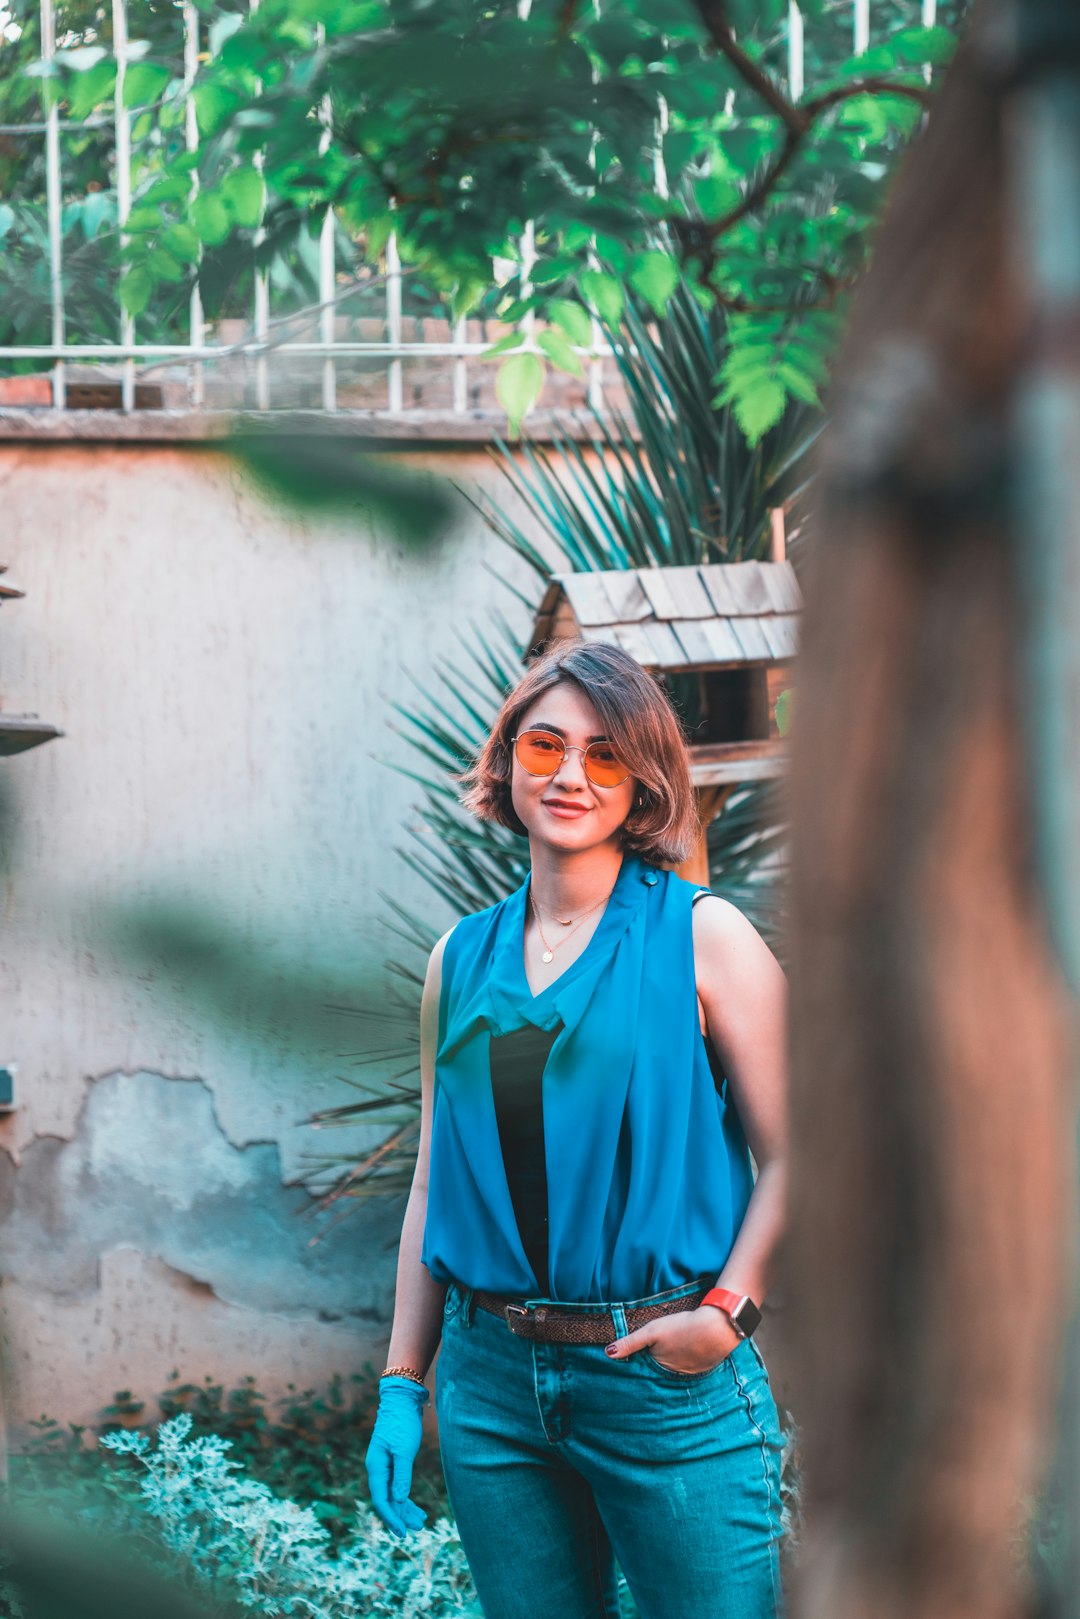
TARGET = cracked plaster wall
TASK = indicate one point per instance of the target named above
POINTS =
(224, 673)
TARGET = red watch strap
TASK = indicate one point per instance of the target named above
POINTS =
(724, 1299)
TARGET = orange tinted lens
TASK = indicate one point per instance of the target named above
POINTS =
(539, 752)
(603, 765)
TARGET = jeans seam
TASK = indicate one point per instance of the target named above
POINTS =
(763, 1447)
(597, 1571)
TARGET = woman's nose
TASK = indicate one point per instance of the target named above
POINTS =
(571, 769)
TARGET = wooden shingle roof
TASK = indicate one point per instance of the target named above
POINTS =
(708, 616)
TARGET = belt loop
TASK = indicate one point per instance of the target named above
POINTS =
(618, 1315)
(468, 1305)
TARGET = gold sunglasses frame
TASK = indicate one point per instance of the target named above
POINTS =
(567, 747)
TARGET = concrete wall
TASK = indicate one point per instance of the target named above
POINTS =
(190, 875)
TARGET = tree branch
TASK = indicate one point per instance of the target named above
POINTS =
(720, 32)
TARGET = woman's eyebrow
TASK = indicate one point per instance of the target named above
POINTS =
(541, 725)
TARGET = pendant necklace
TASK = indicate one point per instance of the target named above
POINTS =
(549, 950)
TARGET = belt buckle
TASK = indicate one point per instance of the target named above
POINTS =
(512, 1310)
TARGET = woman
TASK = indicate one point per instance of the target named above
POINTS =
(599, 1058)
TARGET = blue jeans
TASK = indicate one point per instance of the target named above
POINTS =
(560, 1461)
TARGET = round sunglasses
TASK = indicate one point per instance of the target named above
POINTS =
(542, 752)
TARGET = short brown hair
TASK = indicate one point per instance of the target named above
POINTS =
(639, 721)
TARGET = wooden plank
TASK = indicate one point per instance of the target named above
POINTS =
(605, 634)
(715, 762)
(783, 632)
(695, 639)
(588, 598)
(706, 775)
(632, 638)
(688, 593)
(789, 581)
(628, 600)
(781, 587)
(666, 649)
(749, 634)
(713, 576)
(725, 644)
(655, 585)
(747, 584)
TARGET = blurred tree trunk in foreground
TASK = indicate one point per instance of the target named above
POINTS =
(932, 1110)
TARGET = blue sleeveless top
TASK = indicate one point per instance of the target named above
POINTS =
(648, 1169)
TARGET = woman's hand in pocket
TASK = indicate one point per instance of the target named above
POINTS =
(687, 1341)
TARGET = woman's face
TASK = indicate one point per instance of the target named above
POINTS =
(567, 810)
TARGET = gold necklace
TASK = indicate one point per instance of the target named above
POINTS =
(549, 950)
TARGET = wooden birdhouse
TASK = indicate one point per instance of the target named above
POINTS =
(21, 731)
(723, 634)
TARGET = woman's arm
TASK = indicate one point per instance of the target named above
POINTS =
(418, 1299)
(744, 993)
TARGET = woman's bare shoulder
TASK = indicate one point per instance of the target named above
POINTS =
(435, 959)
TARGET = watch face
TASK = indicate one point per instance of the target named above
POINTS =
(747, 1317)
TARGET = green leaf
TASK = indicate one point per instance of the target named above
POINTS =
(210, 218)
(7, 219)
(182, 242)
(90, 89)
(605, 294)
(574, 320)
(919, 45)
(560, 353)
(655, 276)
(466, 295)
(144, 83)
(213, 106)
(716, 196)
(244, 195)
(164, 267)
(518, 386)
(141, 220)
(136, 285)
(512, 340)
(545, 271)
(798, 383)
(759, 406)
(377, 232)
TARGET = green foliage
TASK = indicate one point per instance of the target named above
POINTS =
(308, 1446)
(518, 386)
(640, 143)
(237, 1544)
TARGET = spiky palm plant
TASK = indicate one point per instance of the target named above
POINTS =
(674, 481)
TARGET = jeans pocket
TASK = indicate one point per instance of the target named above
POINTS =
(451, 1303)
(675, 1376)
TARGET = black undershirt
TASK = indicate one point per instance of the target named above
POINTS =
(517, 1071)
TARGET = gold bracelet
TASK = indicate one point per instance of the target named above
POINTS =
(402, 1371)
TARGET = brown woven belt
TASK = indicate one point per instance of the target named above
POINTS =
(550, 1324)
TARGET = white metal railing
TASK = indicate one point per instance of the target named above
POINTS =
(263, 341)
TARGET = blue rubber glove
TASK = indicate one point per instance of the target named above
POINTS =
(395, 1440)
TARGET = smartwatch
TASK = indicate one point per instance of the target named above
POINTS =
(741, 1310)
